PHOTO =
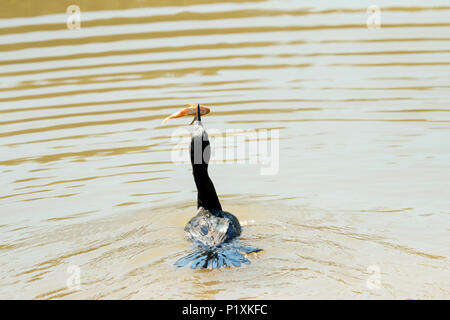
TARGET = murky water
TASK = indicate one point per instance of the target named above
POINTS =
(362, 188)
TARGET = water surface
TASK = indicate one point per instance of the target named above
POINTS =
(364, 129)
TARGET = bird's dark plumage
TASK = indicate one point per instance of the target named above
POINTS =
(212, 230)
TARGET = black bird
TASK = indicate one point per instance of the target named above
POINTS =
(213, 231)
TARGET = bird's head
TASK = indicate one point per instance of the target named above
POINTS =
(200, 149)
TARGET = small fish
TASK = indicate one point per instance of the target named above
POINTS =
(191, 110)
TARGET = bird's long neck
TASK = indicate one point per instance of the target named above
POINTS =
(206, 196)
(200, 155)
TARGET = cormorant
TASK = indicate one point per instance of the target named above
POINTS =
(213, 231)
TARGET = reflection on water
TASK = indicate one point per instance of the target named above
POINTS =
(87, 176)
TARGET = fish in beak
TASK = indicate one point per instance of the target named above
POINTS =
(195, 110)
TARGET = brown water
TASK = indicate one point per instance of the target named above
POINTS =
(364, 147)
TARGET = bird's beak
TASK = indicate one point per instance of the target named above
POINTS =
(199, 119)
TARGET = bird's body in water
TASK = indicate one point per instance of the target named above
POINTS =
(211, 225)
(213, 231)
